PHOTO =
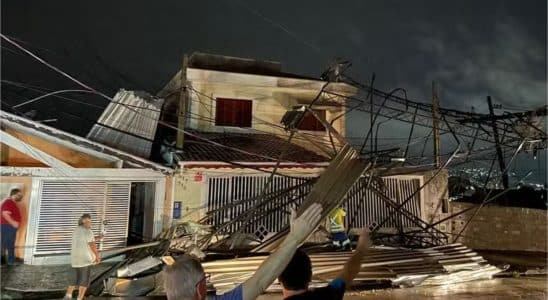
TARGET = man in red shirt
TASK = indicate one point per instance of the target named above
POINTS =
(10, 220)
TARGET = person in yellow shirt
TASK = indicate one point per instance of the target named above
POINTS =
(336, 227)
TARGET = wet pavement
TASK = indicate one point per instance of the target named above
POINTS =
(51, 281)
(534, 288)
(501, 288)
(41, 282)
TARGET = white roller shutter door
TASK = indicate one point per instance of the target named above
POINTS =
(116, 215)
(63, 202)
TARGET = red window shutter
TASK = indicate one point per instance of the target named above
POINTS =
(233, 112)
(235, 109)
(245, 113)
(231, 118)
(220, 112)
(310, 123)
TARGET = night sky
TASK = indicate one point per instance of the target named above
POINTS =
(471, 48)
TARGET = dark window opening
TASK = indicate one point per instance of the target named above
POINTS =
(310, 123)
(444, 206)
(233, 112)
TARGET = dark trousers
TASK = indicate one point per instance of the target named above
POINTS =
(8, 242)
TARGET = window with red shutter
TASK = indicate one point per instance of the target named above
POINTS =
(310, 123)
(233, 112)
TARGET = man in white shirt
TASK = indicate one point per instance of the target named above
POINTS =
(83, 254)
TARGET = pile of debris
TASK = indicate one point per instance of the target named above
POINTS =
(400, 267)
(186, 236)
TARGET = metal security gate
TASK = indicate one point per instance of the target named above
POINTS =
(226, 190)
(63, 202)
(365, 207)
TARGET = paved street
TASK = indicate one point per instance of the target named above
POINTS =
(500, 289)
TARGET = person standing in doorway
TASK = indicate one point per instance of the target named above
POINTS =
(336, 227)
(83, 254)
(10, 221)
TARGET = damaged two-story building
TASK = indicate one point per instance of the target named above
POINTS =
(211, 137)
(234, 139)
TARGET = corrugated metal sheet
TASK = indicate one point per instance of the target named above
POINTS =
(448, 264)
(63, 202)
(129, 123)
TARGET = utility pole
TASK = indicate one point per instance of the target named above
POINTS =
(372, 107)
(500, 155)
(436, 124)
(183, 102)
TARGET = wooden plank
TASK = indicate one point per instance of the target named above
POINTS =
(4, 154)
(31, 151)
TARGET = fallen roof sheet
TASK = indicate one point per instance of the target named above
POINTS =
(78, 141)
(433, 266)
(129, 122)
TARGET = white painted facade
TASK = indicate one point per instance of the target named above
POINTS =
(83, 176)
(88, 185)
(271, 98)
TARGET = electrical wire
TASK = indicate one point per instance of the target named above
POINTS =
(205, 140)
(196, 116)
(278, 25)
(110, 99)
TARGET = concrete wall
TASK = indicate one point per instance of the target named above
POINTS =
(435, 204)
(269, 106)
(501, 228)
(188, 190)
(190, 186)
(168, 202)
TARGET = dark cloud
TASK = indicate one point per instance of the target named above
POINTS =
(508, 65)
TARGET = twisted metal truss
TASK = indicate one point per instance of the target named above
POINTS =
(519, 132)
